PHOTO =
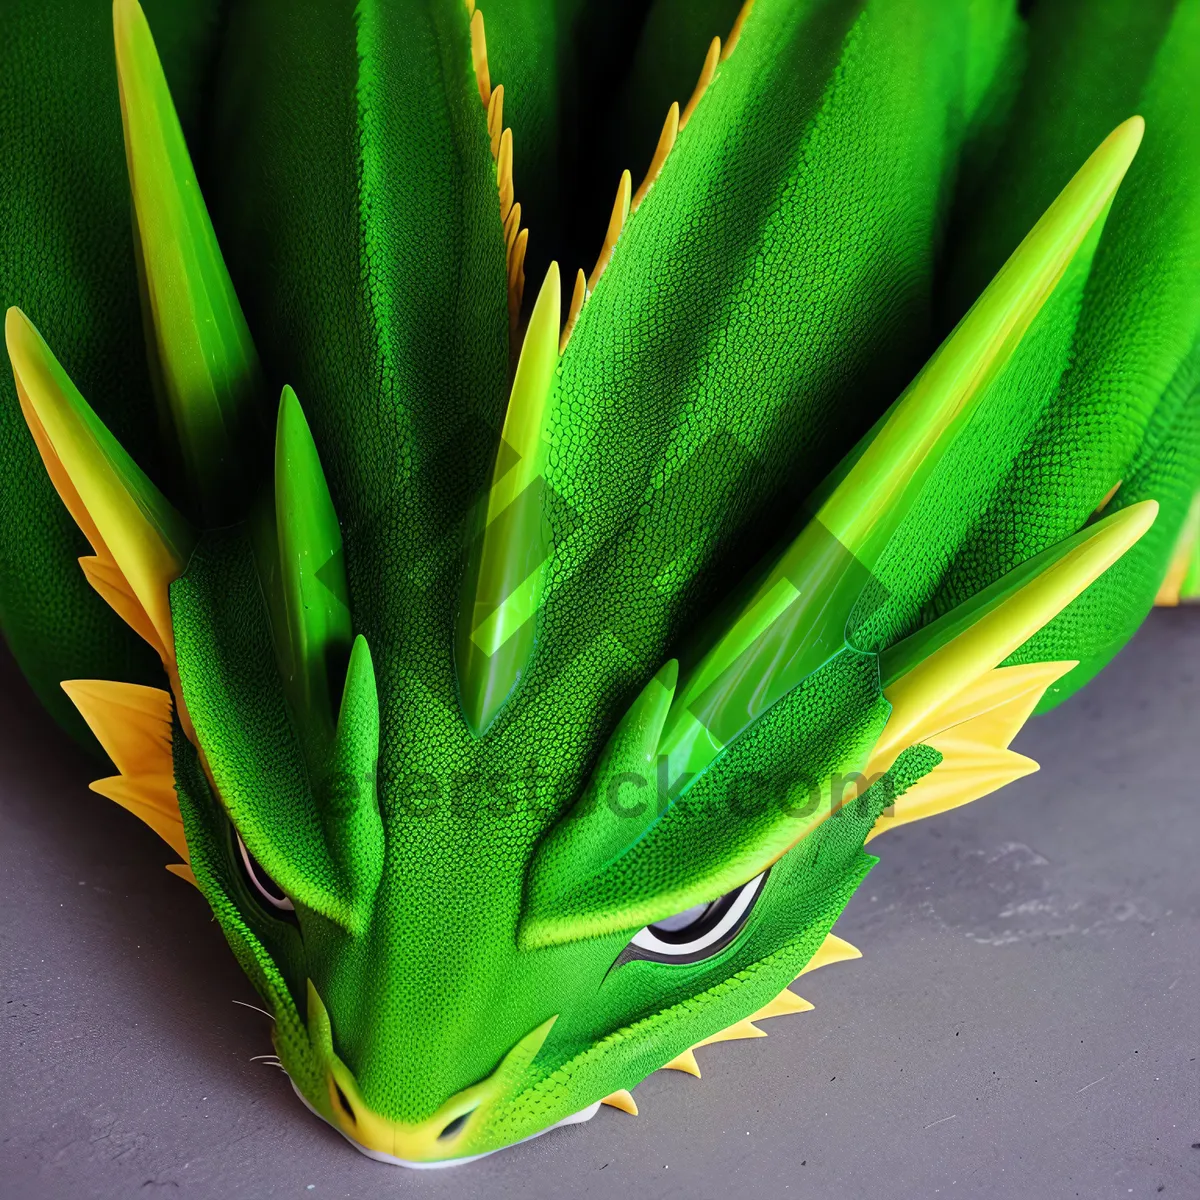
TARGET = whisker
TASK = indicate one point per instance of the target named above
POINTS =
(254, 1007)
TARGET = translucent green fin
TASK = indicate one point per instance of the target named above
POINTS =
(507, 564)
(631, 854)
(312, 574)
(200, 349)
(796, 619)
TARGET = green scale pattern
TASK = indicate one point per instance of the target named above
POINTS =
(853, 177)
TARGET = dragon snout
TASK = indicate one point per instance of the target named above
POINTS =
(462, 1128)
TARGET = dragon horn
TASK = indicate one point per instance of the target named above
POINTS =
(797, 617)
(315, 605)
(202, 358)
(506, 569)
(141, 543)
(349, 806)
(940, 660)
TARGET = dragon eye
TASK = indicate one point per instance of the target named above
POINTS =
(700, 931)
(260, 882)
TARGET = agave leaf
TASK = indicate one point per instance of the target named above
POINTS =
(199, 345)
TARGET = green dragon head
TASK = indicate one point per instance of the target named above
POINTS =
(507, 776)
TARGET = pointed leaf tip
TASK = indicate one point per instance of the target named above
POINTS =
(358, 716)
(203, 360)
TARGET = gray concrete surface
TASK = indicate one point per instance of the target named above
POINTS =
(1025, 1021)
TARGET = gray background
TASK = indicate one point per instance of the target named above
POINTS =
(1024, 1022)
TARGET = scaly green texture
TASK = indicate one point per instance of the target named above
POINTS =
(531, 639)
(68, 262)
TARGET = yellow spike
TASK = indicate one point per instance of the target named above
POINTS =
(736, 31)
(1005, 695)
(833, 949)
(1112, 491)
(133, 725)
(666, 140)
(511, 228)
(578, 296)
(955, 781)
(706, 77)
(684, 1062)
(1181, 558)
(1171, 587)
(495, 118)
(623, 1100)
(995, 634)
(616, 222)
(131, 722)
(516, 276)
(184, 872)
(479, 57)
(972, 732)
(130, 525)
(995, 727)
(154, 793)
(504, 173)
(785, 1003)
(470, 8)
(104, 575)
(733, 1033)
(148, 800)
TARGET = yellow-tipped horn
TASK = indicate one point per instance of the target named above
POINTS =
(141, 542)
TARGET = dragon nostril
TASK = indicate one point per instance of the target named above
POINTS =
(343, 1100)
(454, 1126)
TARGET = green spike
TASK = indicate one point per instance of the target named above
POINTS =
(878, 493)
(507, 565)
(621, 801)
(128, 521)
(936, 662)
(312, 577)
(796, 619)
(356, 744)
(349, 805)
(199, 345)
